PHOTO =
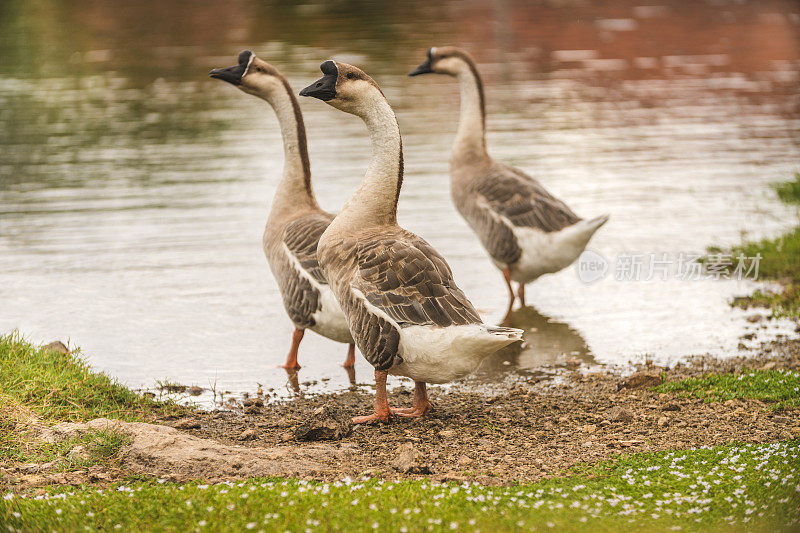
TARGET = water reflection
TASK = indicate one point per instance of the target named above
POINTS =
(133, 191)
(293, 378)
(548, 342)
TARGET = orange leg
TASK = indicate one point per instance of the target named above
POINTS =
(521, 294)
(291, 359)
(421, 405)
(511, 295)
(382, 412)
(350, 362)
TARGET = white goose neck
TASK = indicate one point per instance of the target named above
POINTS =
(294, 190)
(375, 201)
(470, 141)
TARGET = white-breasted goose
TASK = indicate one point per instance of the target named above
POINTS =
(295, 221)
(526, 230)
(405, 311)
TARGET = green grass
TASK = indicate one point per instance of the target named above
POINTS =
(64, 388)
(779, 260)
(780, 387)
(789, 191)
(40, 387)
(740, 487)
(780, 257)
(784, 304)
(101, 447)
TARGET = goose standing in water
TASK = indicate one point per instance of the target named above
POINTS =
(526, 230)
(295, 221)
(405, 311)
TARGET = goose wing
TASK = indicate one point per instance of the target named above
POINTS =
(520, 199)
(395, 279)
(406, 278)
(301, 237)
(300, 275)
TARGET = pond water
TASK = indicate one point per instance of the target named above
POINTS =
(135, 189)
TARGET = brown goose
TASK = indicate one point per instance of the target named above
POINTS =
(296, 221)
(526, 230)
(405, 311)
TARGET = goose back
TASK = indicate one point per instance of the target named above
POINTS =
(495, 199)
(387, 279)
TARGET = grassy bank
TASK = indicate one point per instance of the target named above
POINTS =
(749, 487)
(779, 388)
(40, 386)
(780, 260)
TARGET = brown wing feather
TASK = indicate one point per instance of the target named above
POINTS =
(408, 280)
(522, 200)
(301, 299)
(301, 237)
(504, 198)
(404, 278)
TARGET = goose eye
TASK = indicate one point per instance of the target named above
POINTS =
(259, 69)
(350, 75)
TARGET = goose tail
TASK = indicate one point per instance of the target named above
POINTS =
(509, 334)
(596, 222)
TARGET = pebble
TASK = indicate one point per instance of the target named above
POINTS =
(640, 380)
(619, 414)
(409, 460)
(58, 347)
(663, 422)
(186, 423)
(78, 453)
(248, 434)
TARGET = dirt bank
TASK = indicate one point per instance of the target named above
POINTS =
(535, 430)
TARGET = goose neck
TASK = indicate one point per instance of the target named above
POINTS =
(470, 141)
(294, 189)
(375, 201)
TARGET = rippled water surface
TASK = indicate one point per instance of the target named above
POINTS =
(135, 189)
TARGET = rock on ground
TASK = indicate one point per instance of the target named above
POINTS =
(327, 422)
(409, 460)
(641, 379)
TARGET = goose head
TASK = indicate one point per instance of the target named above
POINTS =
(252, 75)
(345, 87)
(444, 60)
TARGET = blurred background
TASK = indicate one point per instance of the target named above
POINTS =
(134, 189)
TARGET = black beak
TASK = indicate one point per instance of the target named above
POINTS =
(424, 68)
(235, 73)
(325, 87)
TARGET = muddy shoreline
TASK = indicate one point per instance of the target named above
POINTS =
(537, 429)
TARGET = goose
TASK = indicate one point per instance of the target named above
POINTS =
(406, 313)
(526, 231)
(295, 221)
